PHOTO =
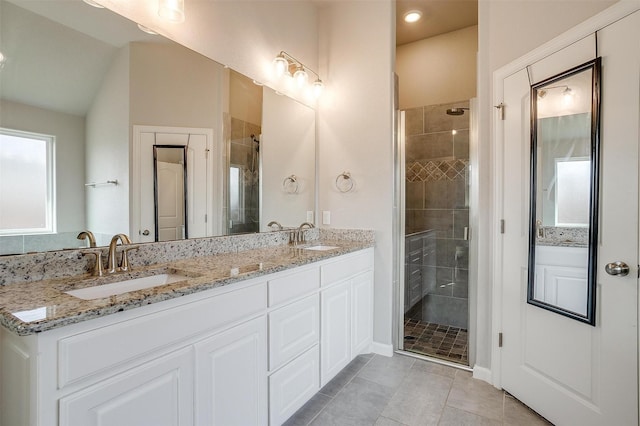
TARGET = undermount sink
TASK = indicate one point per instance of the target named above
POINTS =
(125, 286)
(321, 247)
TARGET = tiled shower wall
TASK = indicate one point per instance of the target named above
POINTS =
(242, 152)
(437, 194)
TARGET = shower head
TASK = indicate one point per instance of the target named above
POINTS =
(456, 111)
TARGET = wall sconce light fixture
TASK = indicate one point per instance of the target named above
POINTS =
(285, 64)
(171, 10)
(566, 92)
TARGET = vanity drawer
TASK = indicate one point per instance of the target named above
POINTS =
(293, 329)
(346, 267)
(101, 349)
(292, 386)
(294, 285)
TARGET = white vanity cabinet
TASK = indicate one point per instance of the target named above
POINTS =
(197, 359)
(294, 335)
(346, 299)
(249, 353)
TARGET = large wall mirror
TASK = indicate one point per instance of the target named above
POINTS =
(564, 192)
(105, 94)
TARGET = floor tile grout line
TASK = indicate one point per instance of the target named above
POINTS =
(331, 398)
(396, 391)
(447, 398)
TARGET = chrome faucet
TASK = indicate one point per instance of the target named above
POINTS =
(298, 234)
(112, 264)
(276, 223)
(87, 235)
(307, 224)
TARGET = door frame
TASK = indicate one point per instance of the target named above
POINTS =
(213, 176)
(586, 28)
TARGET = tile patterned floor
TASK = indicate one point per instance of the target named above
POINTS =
(404, 391)
(439, 341)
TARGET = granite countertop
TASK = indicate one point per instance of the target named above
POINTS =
(38, 306)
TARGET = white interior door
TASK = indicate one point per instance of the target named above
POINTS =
(170, 201)
(199, 185)
(570, 372)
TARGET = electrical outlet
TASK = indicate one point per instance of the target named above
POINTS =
(310, 216)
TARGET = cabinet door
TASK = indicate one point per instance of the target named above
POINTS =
(335, 333)
(157, 393)
(231, 376)
(361, 314)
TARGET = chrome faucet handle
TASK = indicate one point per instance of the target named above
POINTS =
(124, 264)
(98, 267)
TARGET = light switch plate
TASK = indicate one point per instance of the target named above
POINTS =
(326, 218)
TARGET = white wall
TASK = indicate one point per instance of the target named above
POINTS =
(508, 30)
(438, 69)
(173, 86)
(244, 35)
(287, 150)
(355, 132)
(69, 132)
(107, 152)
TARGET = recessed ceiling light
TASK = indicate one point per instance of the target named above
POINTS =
(93, 3)
(412, 16)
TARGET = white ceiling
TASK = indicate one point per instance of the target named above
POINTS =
(438, 17)
(58, 51)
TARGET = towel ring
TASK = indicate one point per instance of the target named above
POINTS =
(344, 182)
(290, 184)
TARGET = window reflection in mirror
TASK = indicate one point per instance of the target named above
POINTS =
(564, 192)
(170, 192)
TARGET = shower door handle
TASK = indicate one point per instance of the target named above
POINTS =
(466, 234)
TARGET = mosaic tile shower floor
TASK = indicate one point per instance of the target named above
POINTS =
(435, 340)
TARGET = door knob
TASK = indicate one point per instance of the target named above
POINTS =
(145, 232)
(617, 268)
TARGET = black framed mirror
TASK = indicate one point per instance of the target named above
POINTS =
(565, 121)
(170, 192)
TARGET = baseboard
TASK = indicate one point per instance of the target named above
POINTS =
(482, 373)
(382, 349)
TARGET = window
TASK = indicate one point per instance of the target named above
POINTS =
(573, 191)
(26, 183)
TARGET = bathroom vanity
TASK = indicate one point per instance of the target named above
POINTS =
(235, 342)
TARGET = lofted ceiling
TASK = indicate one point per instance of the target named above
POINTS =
(438, 17)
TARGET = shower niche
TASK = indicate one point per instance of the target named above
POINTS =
(437, 229)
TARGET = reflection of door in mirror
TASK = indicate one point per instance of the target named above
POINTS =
(170, 192)
(152, 210)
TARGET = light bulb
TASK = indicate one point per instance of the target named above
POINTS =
(567, 97)
(318, 88)
(300, 76)
(171, 10)
(280, 65)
